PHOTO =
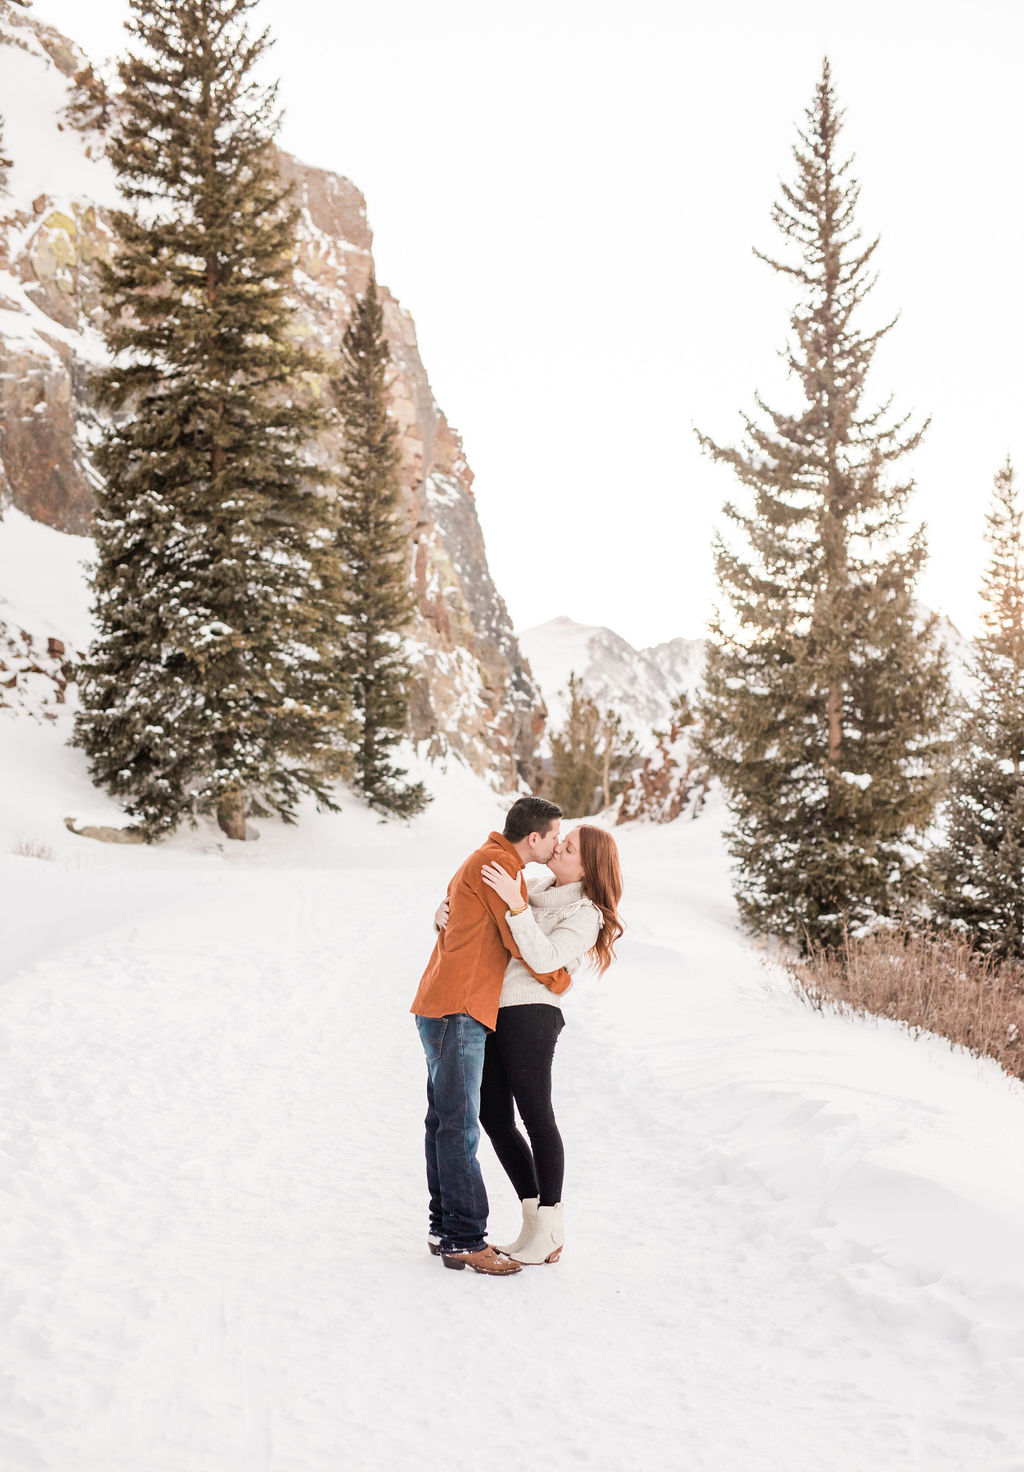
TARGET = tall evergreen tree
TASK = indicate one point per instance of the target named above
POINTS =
(216, 586)
(979, 870)
(824, 690)
(592, 755)
(374, 545)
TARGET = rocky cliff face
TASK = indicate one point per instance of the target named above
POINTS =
(474, 695)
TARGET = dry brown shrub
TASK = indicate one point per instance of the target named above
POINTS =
(31, 848)
(933, 983)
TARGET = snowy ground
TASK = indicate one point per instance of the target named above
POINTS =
(794, 1242)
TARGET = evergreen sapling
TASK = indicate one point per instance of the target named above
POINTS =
(91, 104)
(592, 755)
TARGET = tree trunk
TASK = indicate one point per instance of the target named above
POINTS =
(231, 813)
(834, 711)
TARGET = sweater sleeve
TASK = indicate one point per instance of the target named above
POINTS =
(555, 977)
(565, 946)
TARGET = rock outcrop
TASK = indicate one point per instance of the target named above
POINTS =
(34, 673)
(474, 695)
(671, 781)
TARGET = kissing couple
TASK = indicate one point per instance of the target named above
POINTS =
(488, 1014)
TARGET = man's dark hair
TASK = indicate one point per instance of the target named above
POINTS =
(530, 815)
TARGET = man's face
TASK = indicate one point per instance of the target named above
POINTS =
(544, 846)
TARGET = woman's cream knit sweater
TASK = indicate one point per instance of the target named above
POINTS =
(557, 929)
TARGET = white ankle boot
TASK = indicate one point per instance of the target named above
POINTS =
(548, 1239)
(530, 1205)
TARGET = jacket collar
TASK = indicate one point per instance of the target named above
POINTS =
(510, 850)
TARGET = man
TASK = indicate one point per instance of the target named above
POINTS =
(455, 1008)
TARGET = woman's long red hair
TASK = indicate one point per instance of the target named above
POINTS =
(602, 884)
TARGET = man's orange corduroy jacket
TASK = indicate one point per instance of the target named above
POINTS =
(466, 968)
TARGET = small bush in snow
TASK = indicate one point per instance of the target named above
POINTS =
(31, 848)
(933, 983)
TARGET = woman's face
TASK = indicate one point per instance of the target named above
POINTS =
(565, 863)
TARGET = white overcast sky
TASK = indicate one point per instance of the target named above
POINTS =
(565, 195)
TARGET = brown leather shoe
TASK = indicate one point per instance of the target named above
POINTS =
(484, 1261)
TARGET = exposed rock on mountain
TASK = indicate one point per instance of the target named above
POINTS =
(672, 780)
(34, 673)
(474, 695)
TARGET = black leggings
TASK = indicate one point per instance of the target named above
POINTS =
(517, 1067)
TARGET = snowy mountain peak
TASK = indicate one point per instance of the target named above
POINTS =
(639, 684)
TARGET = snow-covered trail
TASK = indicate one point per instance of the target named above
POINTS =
(794, 1242)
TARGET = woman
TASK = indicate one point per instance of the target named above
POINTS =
(570, 917)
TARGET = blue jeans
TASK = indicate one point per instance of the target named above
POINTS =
(454, 1046)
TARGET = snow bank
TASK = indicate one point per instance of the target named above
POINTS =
(43, 587)
(793, 1238)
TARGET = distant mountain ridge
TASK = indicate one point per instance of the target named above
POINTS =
(638, 684)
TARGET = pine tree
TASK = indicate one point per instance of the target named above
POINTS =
(824, 689)
(681, 711)
(91, 104)
(618, 755)
(216, 586)
(374, 546)
(979, 871)
(592, 755)
(574, 753)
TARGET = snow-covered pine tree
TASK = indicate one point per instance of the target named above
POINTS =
(825, 691)
(374, 549)
(91, 103)
(216, 585)
(979, 870)
(592, 755)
